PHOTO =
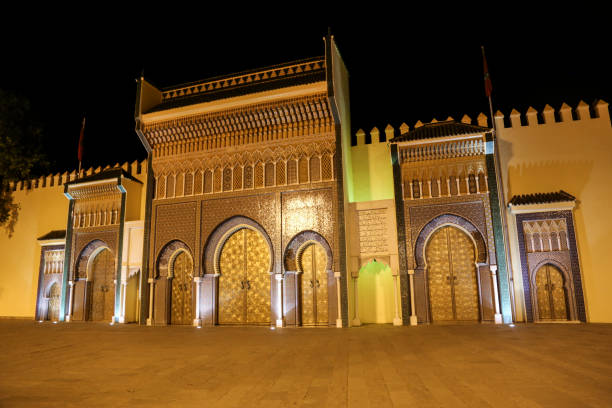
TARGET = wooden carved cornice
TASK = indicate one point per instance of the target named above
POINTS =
(249, 125)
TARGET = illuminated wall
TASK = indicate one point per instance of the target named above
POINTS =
(376, 293)
(372, 172)
(571, 153)
(44, 208)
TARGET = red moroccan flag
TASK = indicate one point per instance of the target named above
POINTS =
(487, 77)
(81, 141)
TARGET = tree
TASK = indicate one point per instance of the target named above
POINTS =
(21, 153)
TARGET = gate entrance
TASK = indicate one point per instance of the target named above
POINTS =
(313, 262)
(451, 270)
(244, 284)
(182, 268)
(103, 302)
(552, 302)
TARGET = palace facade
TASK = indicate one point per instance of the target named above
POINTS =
(253, 208)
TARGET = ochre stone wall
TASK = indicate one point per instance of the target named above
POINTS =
(570, 153)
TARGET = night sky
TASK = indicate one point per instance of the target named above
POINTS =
(403, 66)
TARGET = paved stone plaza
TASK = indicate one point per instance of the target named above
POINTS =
(98, 365)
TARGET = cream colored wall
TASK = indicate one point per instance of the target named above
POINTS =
(574, 156)
(42, 210)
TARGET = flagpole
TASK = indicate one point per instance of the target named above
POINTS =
(502, 194)
(80, 151)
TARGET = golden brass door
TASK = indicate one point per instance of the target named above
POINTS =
(103, 303)
(55, 294)
(550, 294)
(313, 263)
(244, 284)
(182, 269)
(451, 269)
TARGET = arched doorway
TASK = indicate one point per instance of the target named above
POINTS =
(182, 272)
(244, 284)
(451, 272)
(313, 265)
(550, 289)
(375, 290)
(55, 294)
(103, 272)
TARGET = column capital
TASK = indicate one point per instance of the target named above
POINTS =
(198, 279)
(71, 283)
(493, 268)
(151, 280)
(337, 275)
(279, 276)
(410, 271)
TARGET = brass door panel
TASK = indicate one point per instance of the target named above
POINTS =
(257, 278)
(103, 304)
(551, 294)
(244, 285)
(544, 309)
(557, 294)
(308, 290)
(453, 289)
(464, 282)
(438, 272)
(55, 294)
(182, 289)
(314, 286)
(232, 294)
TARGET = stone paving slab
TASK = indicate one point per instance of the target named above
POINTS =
(98, 365)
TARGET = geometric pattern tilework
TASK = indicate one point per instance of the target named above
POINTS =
(311, 210)
(86, 242)
(423, 216)
(291, 250)
(222, 214)
(175, 222)
(566, 261)
(425, 219)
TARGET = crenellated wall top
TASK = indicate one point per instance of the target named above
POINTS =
(59, 179)
(565, 114)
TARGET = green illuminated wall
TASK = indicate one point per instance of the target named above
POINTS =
(376, 300)
(372, 172)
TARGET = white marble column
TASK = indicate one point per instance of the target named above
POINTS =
(115, 318)
(280, 321)
(397, 321)
(122, 304)
(337, 275)
(69, 315)
(197, 322)
(413, 318)
(498, 316)
(151, 293)
(356, 320)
